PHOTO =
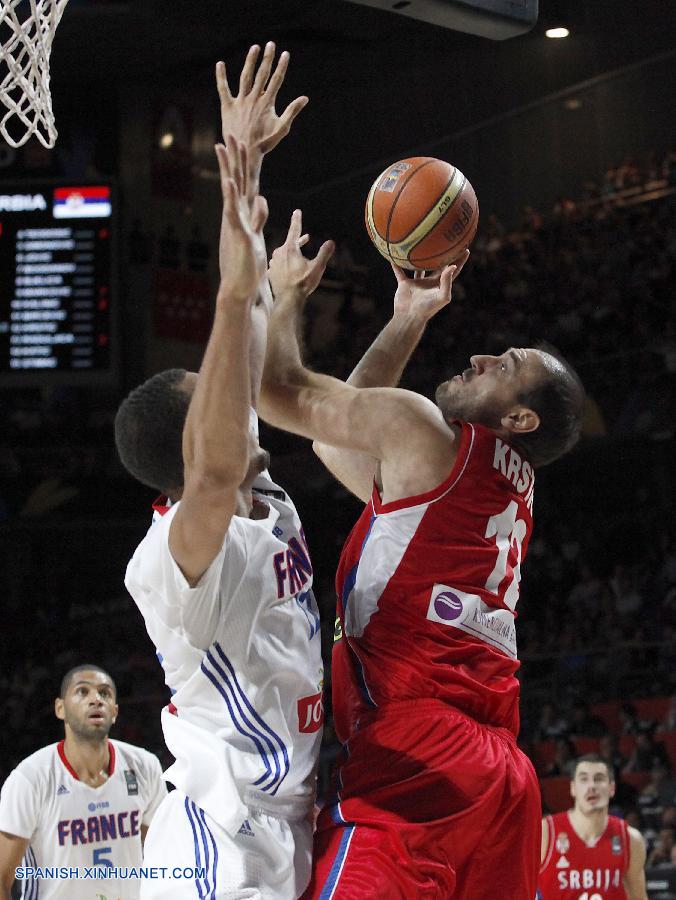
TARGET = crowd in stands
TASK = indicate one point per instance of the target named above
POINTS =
(597, 613)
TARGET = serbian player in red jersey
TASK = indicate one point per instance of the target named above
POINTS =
(586, 853)
(434, 799)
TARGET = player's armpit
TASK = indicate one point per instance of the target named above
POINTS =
(199, 526)
(634, 880)
(12, 849)
(403, 430)
(354, 470)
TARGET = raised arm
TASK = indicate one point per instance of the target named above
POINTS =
(416, 301)
(402, 430)
(250, 117)
(216, 432)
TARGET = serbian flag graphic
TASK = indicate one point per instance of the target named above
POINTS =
(89, 202)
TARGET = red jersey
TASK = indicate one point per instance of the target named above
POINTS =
(427, 588)
(573, 870)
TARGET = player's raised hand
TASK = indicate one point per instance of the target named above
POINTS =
(422, 296)
(241, 250)
(250, 115)
(291, 274)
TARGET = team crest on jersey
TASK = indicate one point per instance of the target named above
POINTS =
(562, 843)
(616, 845)
(132, 782)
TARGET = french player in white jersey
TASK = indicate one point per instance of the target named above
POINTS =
(223, 578)
(78, 810)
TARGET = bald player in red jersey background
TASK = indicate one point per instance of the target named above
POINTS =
(434, 799)
(588, 854)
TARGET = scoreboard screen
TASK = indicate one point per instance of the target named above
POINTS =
(57, 298)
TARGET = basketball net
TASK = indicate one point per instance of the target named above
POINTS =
(25, 46)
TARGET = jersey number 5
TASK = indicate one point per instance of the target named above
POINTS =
(509, 533)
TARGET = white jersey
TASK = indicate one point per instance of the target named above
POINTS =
(241, 653)
(73, 826)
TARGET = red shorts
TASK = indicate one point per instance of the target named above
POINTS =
(430, 805)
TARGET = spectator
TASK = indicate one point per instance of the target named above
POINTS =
(609, 751)
(659, 793)
(661, 854)
(563, 763)
(551, 723)
(669, 721)
(629, 718)
(647, 753)
(584, 724)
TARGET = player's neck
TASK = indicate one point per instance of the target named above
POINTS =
(90, 760)
(589, 826)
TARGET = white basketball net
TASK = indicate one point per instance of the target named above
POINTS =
(26, 32)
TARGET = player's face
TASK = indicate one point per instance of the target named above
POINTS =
(89, 708)
(591, 787)
(489, 389)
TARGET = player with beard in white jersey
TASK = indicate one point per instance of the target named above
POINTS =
(82, 804)
(223, 578)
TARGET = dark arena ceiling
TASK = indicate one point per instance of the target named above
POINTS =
(380, 84)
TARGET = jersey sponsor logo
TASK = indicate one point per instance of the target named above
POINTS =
(92, 807)
(563, 863)
(519, 471)
(562, 842)
(98, 828)
(575, 879)
(62, 790)
(310, 713)
(616, 845)
(132, 782)
(337, 630)
(246, 829)
(457, 609)
(293, 569)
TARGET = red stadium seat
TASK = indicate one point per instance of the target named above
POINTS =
(652, 709)
(609, 711)
(669, 740)
(555, 794)
(627, 743)
(637, 780)
(585, 745)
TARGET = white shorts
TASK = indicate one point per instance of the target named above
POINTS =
(268, 859)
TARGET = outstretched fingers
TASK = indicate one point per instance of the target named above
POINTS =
(232, 206)
(295, 228)
(264, 69)
(460, 262)
(247, 75)
(325, 253)
(222, 85)
(277, 77)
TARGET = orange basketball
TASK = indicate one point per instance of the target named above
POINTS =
(421, 213)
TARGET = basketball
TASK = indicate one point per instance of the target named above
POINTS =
(421, 213)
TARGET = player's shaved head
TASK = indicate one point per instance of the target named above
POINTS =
(69, 677)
